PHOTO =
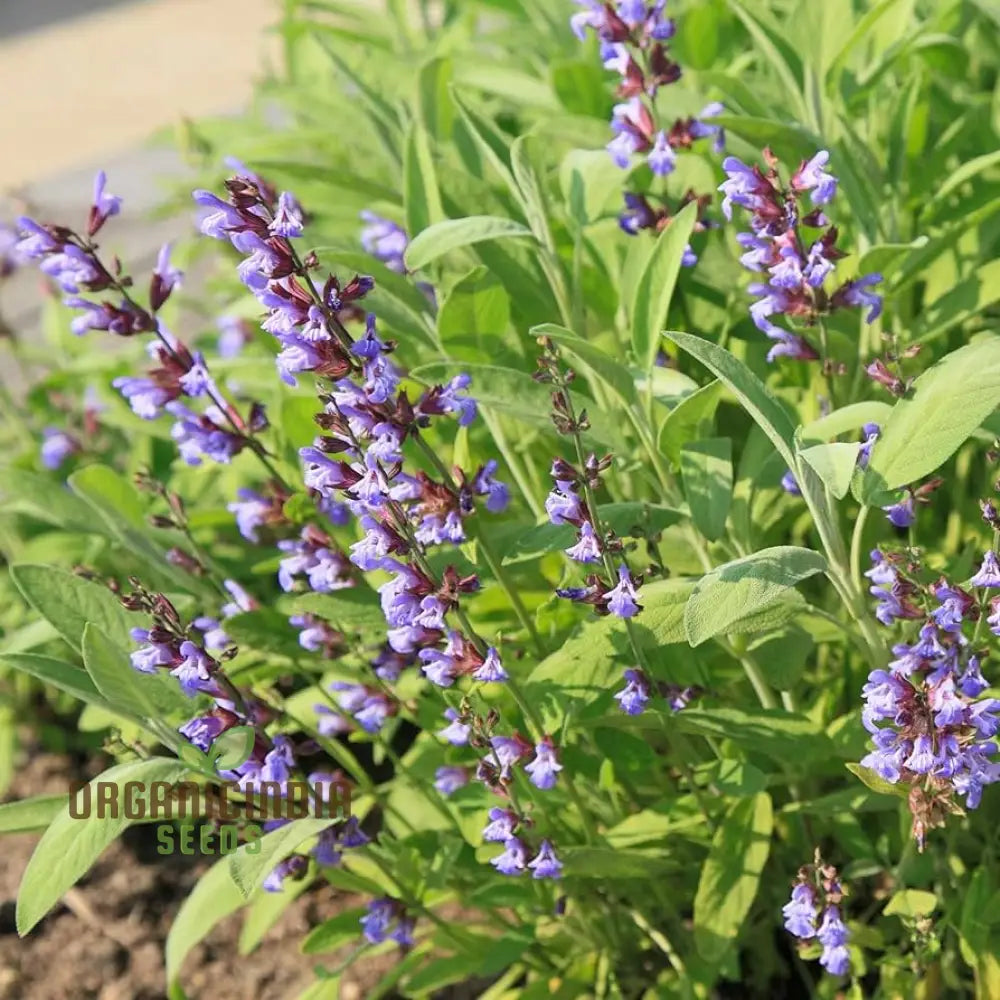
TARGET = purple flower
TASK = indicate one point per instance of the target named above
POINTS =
(501, 825)
(545, 864)
(287, 219)
(989, 572)
(513, 859)
(833, 934)
(587, 548)
(634, 696)
(57, 446)
(790, 484)
(855, 293)
(194, 670)
(234, 335)
(563, 506)
(71, 268)
(811, 176)
(871, 433)
(903, 513)
(384, 240)
(153, 655)
(456, 732)
(491, 670)
(661, 157)
(545, 767)
(36, 241)
(104, 205)
(203, 436)
(165, 278)
(375, 923)
(202, 731)
(497, 493)
(146, 398)
(800, 911)
(252, 511)
(623, 598)
(293, 867)
(448, 780)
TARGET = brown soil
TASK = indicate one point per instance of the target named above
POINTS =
(105, 942)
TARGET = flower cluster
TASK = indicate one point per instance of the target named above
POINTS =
(639, 688)
(387, 920)
(814, 911)
(797, 266)
(930, 727)
(633, 43)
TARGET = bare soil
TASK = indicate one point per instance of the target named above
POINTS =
(105, 941)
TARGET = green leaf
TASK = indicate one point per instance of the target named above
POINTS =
(834, 463)
(452, 234)
(688, 418)
(769, 44)
(871, 780)
(69, 847)
(212, 899)
(29, 815)
(969, 297)
(266, 631)
(623, 518)
(421, 197)
(110, 493)
(474, 317)
(248, 870)
(757, 400)
(437, 113)
(707, 473)
(146, 696)
(911, 903)
(331, 934)
(655, 288)
(956, 178)
(745, 586)
(528, 190)
(731, 874)
(783, 736)
(266, 909)
(351, 609)
(67, 677)
(977, 916)
(606, 862)
(946, 404)
(69, 602)
(848, 418)
(42, 497)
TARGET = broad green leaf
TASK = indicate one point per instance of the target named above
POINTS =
(453, 234)
(67, 677)
(488, 139)
(887, 257)
(266, 909)
(69, 602)
(707, 473)
(474, 317)
(783, 736)
(944, 407)
(29, 815)
(871, 780)
(687, 419)
(529, 190)
(731, 874)
(834, 463)
(782, 656)
(623, 518)
(956, 178)
(587, 178)
(848, 418)
(147, 696)
(581, 88)
(911, 903)
(46, 499)
(266, 631)
(745, 586)
(111, 494)
(421, 197)
(757, 400)
(351, 609)
(618, 862)
(332, 933)
(967, 299)
(212, 899)
(977, 915)
(436, 109)
(597, 362)
(655, 289)
(861, 33)
(248, 870)
(69, 847)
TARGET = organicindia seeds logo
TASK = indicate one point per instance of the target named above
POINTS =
(236, 808)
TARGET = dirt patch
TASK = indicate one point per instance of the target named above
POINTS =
(105, 941)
